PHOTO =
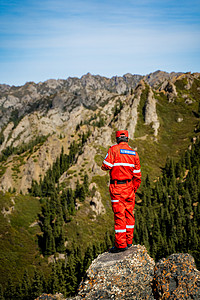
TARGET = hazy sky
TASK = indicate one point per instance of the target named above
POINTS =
(47, 39)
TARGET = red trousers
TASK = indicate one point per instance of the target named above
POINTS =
(123, 203)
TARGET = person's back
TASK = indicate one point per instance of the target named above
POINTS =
(124, 161)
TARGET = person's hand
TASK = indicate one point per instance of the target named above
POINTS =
(103, 168)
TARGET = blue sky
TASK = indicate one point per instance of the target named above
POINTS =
(47, 39)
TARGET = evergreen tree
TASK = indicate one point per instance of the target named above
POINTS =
(86, 183)
(49, 241)
(82, 194)
(61, 278)
(70, 276)
(53, 281)
(187, 203)
(10, 289)
(26, 286)
(19, 292)
(37, 285)
(1, 293)
(88, 258)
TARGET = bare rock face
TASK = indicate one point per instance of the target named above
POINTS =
(129, 114)
(171, 92)
(150, 112)
(156, 78)
(125, 275)
(176, 277)
(96, 203)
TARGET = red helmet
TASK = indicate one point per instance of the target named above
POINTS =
(120, 133)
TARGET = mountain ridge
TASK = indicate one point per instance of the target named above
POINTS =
(57, 107)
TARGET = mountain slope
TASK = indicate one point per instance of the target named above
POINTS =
(75, 120)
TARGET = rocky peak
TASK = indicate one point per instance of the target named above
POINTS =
(169, 88)
(4, 88)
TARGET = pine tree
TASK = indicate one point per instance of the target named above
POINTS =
(70, 275)
(1, 293)
(19, 293)
(77, 190)
(187, 203)
(71, 201)
(188, 160)
(53, 281)
(82, 193)
(145, 239)
(10, 289)
(49, 241)
(107, 241)
(178, 169)
(88, 258)
(37, 285)
(86, 183)
(26, 286)
(61, 278)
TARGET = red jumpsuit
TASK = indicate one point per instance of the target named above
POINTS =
(125, 178)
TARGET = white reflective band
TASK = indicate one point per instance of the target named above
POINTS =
(114, 200)
(107, 163)
(129, 226)
(120, 230)
(136, 171)
(124, 164)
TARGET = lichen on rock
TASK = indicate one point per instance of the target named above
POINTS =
(125, 275)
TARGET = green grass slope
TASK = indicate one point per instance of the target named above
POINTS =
(18, 240)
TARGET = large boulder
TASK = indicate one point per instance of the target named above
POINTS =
(125, 275)
(176, 277)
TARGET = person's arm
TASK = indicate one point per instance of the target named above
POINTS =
(108, 161)
(137, 174)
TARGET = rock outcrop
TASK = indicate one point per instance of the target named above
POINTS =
(150, 112)
(176, 277)
(96, 201)
(169, 88)
(133, 274)
(126, 275)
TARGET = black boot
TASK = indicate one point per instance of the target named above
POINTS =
(117, 250)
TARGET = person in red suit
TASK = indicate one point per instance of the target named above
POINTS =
(125, 178)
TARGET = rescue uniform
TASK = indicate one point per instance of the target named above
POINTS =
(125, 178)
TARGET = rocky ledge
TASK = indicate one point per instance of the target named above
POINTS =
(133, 274)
